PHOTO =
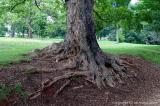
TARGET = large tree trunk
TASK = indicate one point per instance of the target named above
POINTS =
(81, 33)
(80, 26)
(81, 50)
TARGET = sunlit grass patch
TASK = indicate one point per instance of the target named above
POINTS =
(12, 49)
(148, 52)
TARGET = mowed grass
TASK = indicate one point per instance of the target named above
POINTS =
(12, 49)
(147, 52)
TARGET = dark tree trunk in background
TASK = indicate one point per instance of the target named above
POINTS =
(23, 32)
(30, 30)
(12, 31)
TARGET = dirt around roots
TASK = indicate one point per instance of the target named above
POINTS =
(142, 90)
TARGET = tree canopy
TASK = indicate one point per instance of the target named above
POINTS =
(47, 18)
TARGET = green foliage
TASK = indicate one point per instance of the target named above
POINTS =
(3, 30)
(132, 37)
(145, 36)
(27, 17)
(129, 17)
(4, 91)
(108, 32)
(106, 13)
(19, 89)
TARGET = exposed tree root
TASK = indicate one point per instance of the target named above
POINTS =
(77, 87)
(99, 69)
(61, 88)
(50, 83)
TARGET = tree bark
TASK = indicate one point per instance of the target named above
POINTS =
(81, 32)
(80, 26)
(81, 51)
(80, 48)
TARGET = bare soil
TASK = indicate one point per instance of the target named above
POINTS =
(141, 90)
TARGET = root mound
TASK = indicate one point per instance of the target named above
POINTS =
(52, 82)
(94, 66)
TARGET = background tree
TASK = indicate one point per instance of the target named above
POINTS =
(47, 21)
(119, 14)
(112, 12)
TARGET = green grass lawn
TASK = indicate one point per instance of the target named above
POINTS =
(12, 49)
(148, 52)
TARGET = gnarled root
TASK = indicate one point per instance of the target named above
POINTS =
(97, 67)
(50, 83)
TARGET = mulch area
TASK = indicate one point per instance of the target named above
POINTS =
(142, 90)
